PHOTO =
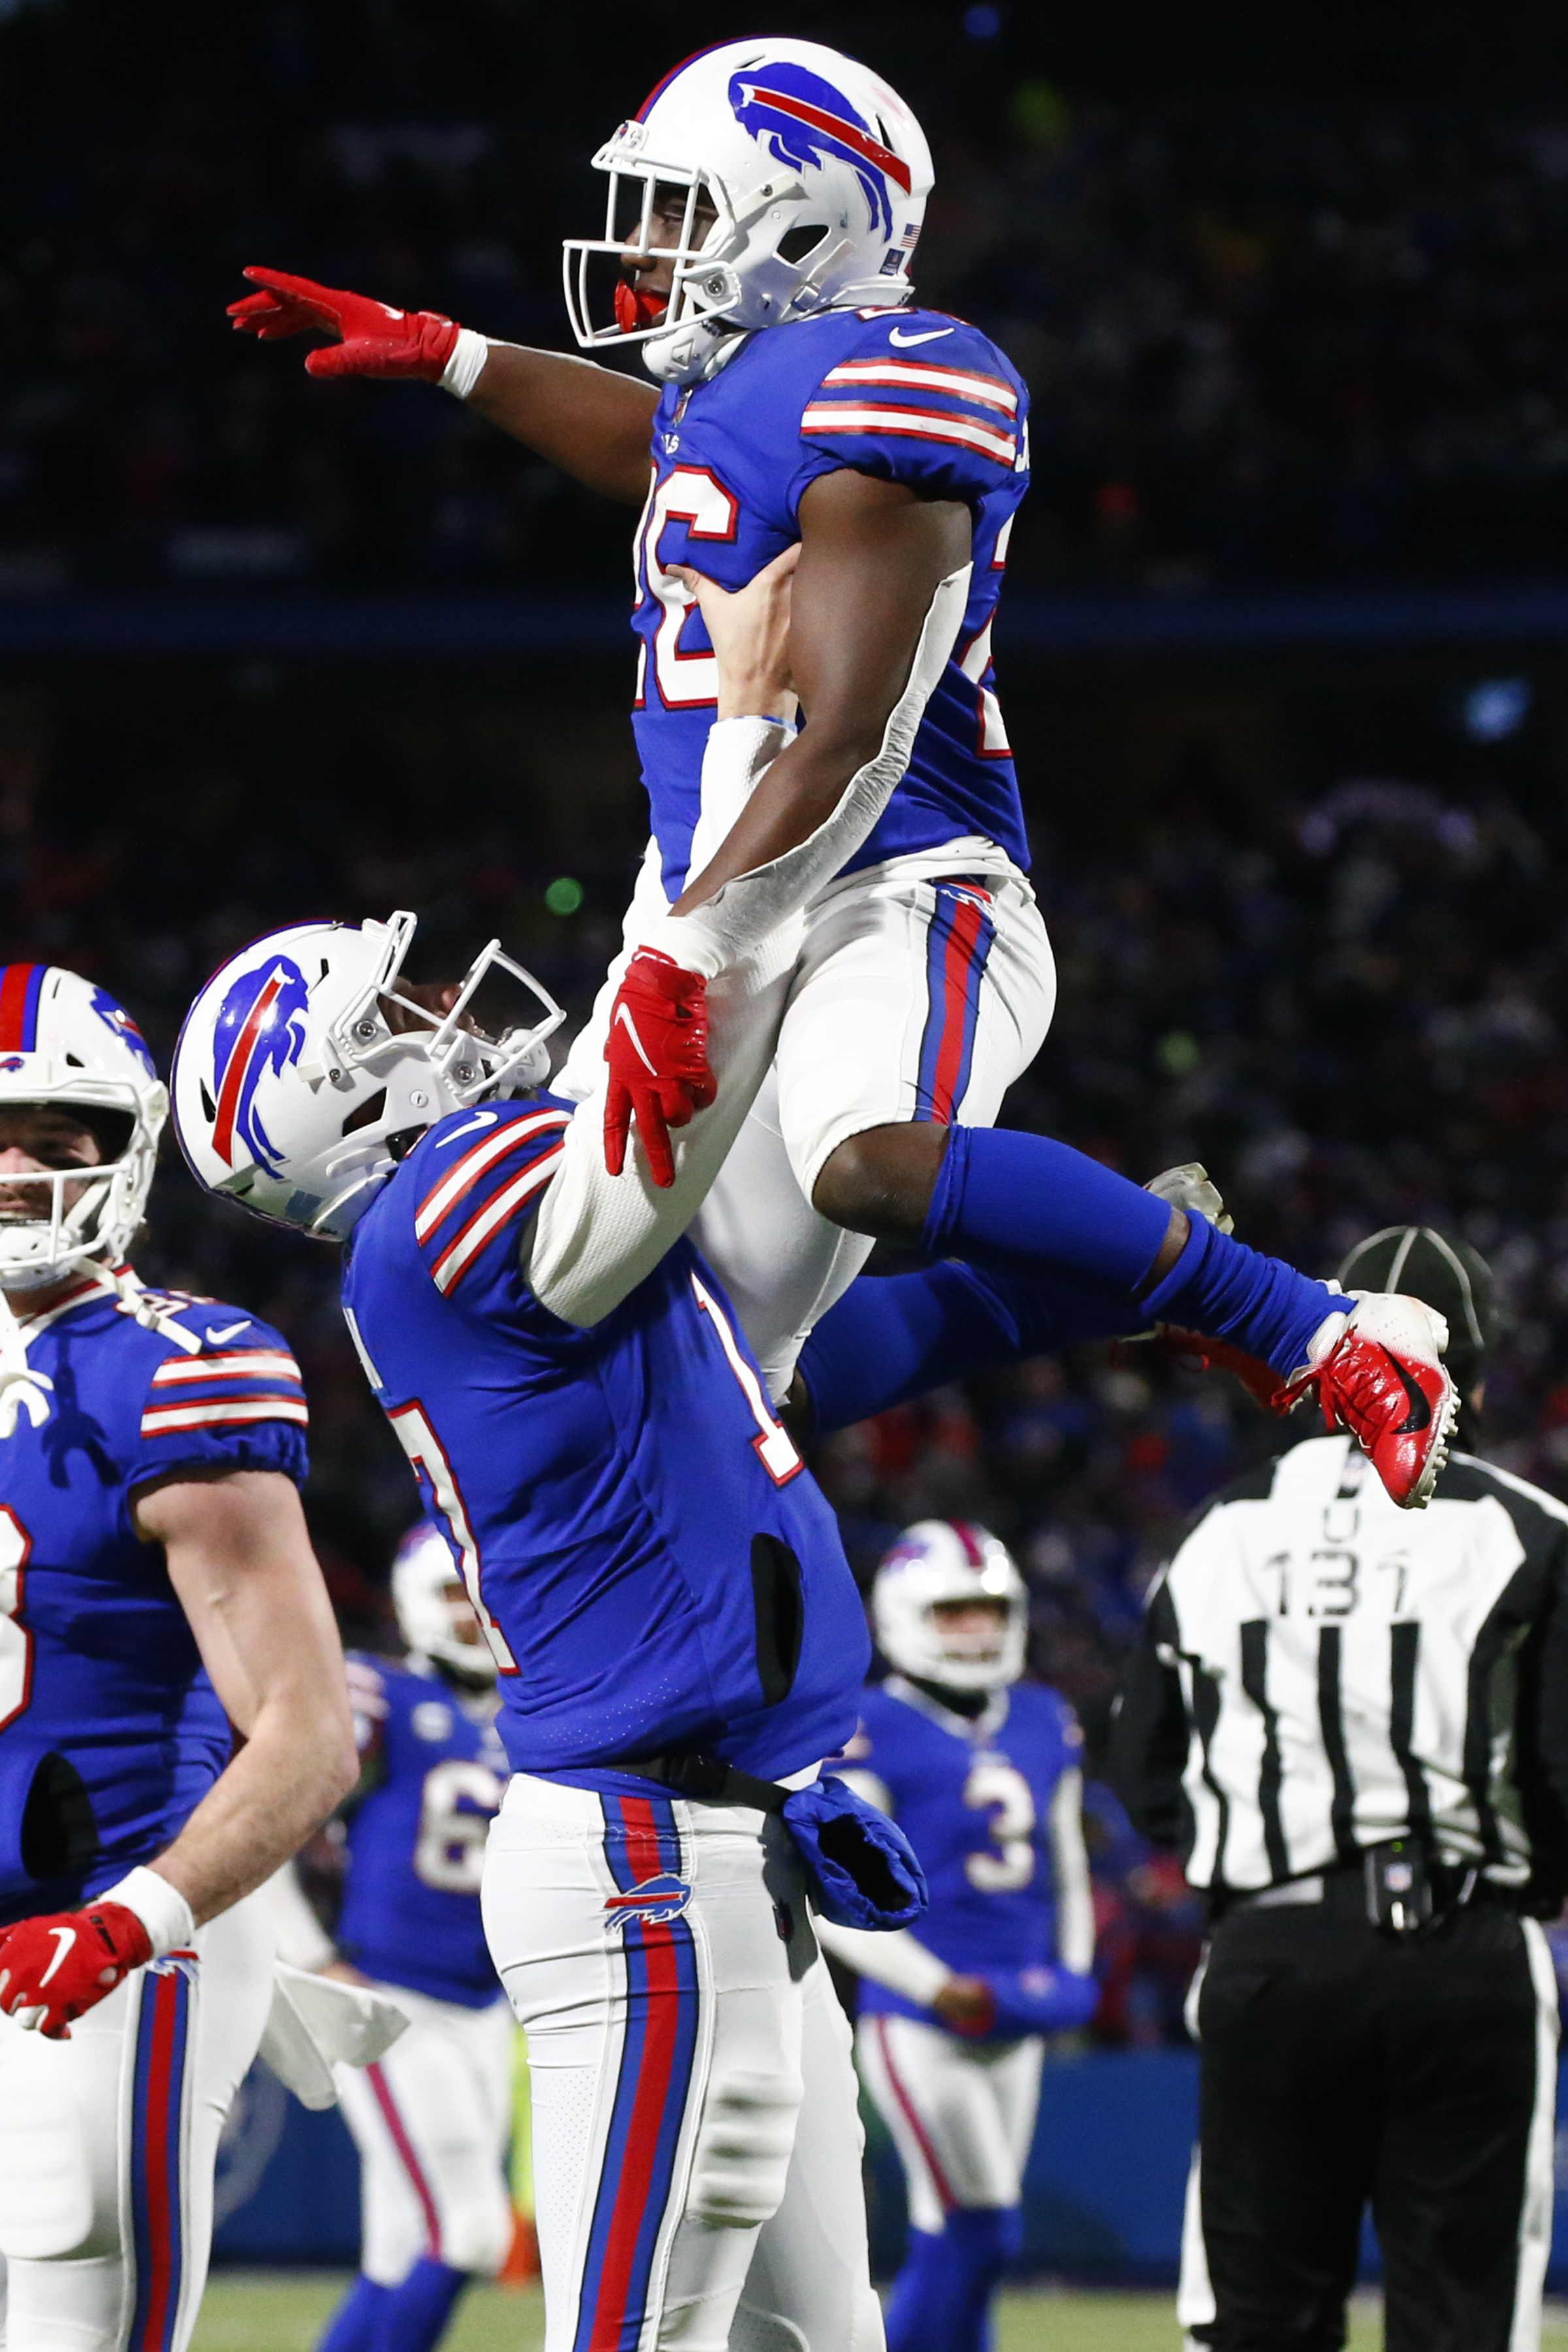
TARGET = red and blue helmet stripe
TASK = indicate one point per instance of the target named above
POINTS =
(21, 986)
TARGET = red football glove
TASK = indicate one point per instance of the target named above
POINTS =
(376, 339)
(657, 1054)
(56, 1968)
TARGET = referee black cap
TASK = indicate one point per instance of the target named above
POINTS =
(1447, 1275)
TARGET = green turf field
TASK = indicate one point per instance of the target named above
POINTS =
(282, 2311)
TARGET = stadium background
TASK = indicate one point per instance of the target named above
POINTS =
(1286, 663)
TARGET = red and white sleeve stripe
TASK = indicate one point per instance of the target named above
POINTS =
(226, 1390)
(822, 416)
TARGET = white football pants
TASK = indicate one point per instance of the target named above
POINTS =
(961, 2114)
(696, 2138)
(431, 2120)
(919, 989)
(107, 2142)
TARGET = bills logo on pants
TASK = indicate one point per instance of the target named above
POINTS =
(643, 1850)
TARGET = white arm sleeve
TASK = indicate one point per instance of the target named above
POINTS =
(744, 911)
(1075, 1896)
(737, 756)
(895, 1959)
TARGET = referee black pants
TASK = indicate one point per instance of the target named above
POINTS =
(1342, 2067)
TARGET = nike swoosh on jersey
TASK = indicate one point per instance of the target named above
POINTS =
(480, 1119)
(216, 1338)
(907, 342)
(65, 1938)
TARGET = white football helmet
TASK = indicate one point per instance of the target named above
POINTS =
(947, 1560)
(65, 1042)
(425, 1575)
(294, 1096)
(819, 175)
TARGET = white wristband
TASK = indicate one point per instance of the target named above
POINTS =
(688, 941)
(161, 1908)
(465, 366)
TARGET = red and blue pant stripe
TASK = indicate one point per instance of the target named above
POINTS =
(21, 985)
(958, 945)
(157, 2154)
(651, 2092)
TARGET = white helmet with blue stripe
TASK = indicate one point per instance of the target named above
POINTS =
(425, 1581)
(66, 1044)
(942, 1565)
(306, 1068)
(816, 173)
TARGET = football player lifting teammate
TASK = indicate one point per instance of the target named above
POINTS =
(834, 965)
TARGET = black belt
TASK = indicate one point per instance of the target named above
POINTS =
(1342, 1892)
(705, 1779)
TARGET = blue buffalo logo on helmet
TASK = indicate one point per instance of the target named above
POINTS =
(260, 1028)
(803, 120)
(114, 1016)
(651, 1900)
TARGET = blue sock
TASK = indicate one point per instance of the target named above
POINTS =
(892, 1336)
(940, 2298)
(415, 2315)
(355, 2325)
(1009, 1201)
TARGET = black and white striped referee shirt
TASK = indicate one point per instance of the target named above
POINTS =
(1319, 1670)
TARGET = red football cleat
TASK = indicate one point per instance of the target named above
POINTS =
(1378, 1373)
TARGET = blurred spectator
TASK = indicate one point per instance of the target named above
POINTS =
(1316, 339)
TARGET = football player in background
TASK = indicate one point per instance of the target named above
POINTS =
(834, 965)
(981, 1771)
(431, 2118)
(158, 1593)
(677, 1639)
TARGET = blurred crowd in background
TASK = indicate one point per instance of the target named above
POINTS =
(1304, 338)
(1354, 1008)
(1268, 338)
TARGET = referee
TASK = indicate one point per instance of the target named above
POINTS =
(1351, 1722)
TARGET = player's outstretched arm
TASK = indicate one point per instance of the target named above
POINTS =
(241, 1561)
(590, 421)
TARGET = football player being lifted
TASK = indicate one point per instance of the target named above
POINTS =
(982, 1773)
(431, 2119)
(158, 1592)
(834, 965)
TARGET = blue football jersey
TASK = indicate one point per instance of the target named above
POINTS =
(653, 1566)
(975, 1801)
(910, 396)
(109, 1731)
(416, 1840)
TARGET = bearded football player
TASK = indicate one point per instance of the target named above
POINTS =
(158, 1593)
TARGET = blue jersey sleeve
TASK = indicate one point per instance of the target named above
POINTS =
(920, 399)
(235, 1403)
(482, 1178)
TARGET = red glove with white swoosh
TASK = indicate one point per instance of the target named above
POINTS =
(375, 340)
(657, 1054)
(55, 1967)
